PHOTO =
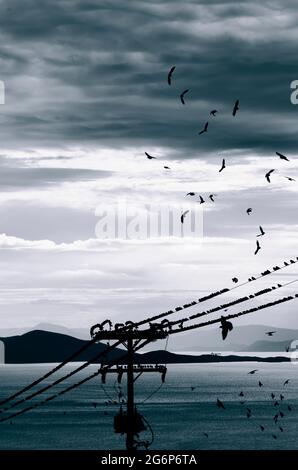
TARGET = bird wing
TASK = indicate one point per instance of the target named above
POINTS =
(170, 74)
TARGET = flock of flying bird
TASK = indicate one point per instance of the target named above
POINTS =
(213, 113)
(279, 412)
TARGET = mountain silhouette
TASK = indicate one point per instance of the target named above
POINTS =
(47, 347)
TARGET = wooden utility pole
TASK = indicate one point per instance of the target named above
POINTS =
(131, 338)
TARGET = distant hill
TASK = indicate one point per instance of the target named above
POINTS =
(48, 347)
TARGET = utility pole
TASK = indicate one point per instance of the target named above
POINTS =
(131, 338)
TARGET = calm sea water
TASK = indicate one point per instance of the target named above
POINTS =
(178, 415)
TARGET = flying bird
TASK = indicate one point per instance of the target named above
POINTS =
(236, 108)
(258, 247)
(286, 382)
(94, 404)
(262, 428)
(241, 394)
(192, 388)
(226, 326)
(170, 75)
(223, 165)
(289, 408)
(150, 157)
(202, 200)
(270, 333)
(182, 96)
(289, 178)
(167, 168)
(252, 372)
(261, 231)
(249, 211)
(276, 403)
(206, 434)
(191, 194)
(213, 112)
(272, 396)
(282, 157)
(183, 215)
(220, 404)
(235, 280)
(211, 197)
(281, 429)
(260, 384)
(281, 397)
(281, 414)
(267, 176)
(205, 128)
(274, 436)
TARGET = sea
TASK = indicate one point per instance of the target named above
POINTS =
(182, 413)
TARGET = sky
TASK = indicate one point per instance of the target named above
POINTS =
(86, 94)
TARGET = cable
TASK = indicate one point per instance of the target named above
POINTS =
(58, 381)
(228, 317)
(142, 322)
(48, 374)
(233, 303)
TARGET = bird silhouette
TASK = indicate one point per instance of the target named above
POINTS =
(182, 96)
(274, 436)
(289, 178)
(261, 231)
(202, 200)
(170, 75)
(94, 404)
(282, 157)
(206, 434)
(272, 396)
(258, 247)
(211, 197)
(281, 429)
(267, 176)
(150, 157)
(205, 128)
(286, 382)
(260, 384)
(252, 372)
(281, 397)
(223, 165)
(241, 394)
(289, 408)
(183, 215)
(288, 349)
(249, 211)
(262, 428)
(270, 333)
(225, 326)
(213, 112)
(248, 414)
(191, 194)
(236, 108)
(220, 404)
(276, 403)
(235, 280)
(167, 168)
(281, 414)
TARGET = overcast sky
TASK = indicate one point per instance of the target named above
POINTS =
(86, 95)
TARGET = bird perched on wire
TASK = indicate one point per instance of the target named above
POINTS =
(268, 174)
(182, 96)
(205, 128)
(235, 280)
(236, 108)
(282, 157)
(170, 74)
(225, 326)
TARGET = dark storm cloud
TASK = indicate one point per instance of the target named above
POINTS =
(95, 72)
